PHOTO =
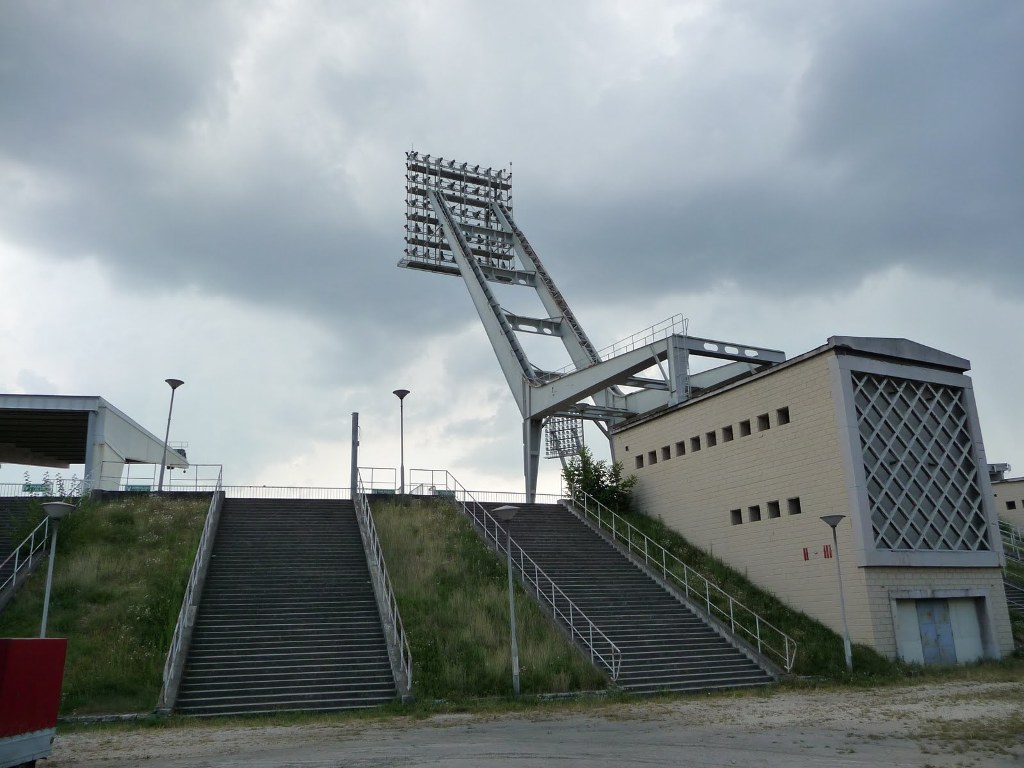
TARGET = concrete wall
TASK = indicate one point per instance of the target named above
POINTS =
(888, 586)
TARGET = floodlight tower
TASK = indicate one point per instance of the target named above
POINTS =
(459, 222)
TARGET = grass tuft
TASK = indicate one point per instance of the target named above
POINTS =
(118, 581)
(453, 595)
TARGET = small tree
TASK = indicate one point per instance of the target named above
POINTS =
(599, 479)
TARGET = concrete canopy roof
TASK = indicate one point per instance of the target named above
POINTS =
(60, 430)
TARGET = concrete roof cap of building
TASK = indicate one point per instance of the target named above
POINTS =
(900, 349)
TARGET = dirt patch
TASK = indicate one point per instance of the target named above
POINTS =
(952, 724)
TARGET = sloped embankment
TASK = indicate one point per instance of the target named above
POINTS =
(119, 576)
(453, 595)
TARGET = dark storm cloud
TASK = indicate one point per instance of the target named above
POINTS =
(906, 150)
(792, 149)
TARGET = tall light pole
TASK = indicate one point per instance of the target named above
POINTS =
(174, 384)
(400, 394)
(832, 521)
(505, 514)
(55, 510)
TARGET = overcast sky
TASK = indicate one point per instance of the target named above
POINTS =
(213, 191)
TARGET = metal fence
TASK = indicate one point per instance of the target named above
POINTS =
(393, 626)
(189, 603)
(769, 640)
(1013, 541)
(25, 553)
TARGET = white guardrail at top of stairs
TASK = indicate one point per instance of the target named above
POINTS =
(769, 640)
(386, 595)
(600, 647)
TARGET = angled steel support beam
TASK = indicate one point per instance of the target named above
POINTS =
(543, 326)
(511, 357)
(561, 393)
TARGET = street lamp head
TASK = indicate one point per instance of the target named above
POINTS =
(505, 513)
(832, 520)
(55, 510)
(174, 383)
(401, 393)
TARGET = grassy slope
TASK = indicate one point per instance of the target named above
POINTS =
(119, 576)
(453, 596)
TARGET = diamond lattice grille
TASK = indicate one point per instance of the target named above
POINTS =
(922, 480)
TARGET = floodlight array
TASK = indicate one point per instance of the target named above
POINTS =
(563, 437)
(469, 191)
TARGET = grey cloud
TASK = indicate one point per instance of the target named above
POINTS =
(903, 148)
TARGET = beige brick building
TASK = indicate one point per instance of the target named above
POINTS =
(1009, 500)
(884, 431)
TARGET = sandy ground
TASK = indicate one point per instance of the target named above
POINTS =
(957, 724)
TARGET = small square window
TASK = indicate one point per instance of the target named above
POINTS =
(711, 439)
(754, 513)
(694, 444)
(744, 427)
(763, 423)
(773, 510)
(727, 434)
(793, 506)
(640, 462)
(782, 416)
(666, 453)
(681, 448)
(1011, 505)
(652, 458)
(736, 516)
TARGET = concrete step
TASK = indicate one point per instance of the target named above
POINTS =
(288, 619)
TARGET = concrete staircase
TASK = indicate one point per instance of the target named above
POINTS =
(287, 619)
(665, 645)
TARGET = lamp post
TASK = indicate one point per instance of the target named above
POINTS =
(174, 384)
(505, 514)
(55, 510)
(832, 521)
(400, 394)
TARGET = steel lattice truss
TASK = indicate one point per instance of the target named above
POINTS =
(922, 479)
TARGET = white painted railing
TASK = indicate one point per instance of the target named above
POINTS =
(584, 631)
(189, 604)
(386, 594)
(1013, 541)
(23, 554)
(744, 623)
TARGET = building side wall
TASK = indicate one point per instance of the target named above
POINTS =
(1009, 500)
(698, 493)
(887, 586)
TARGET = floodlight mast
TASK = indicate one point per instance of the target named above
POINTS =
(459, 222)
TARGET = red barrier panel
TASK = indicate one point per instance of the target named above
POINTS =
(31, 674)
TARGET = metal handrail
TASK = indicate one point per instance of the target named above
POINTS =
(389, 601)
(34, 541)
(186, 614)
(657, 332)
(601, 648)
(766, 637)
(1013, 540)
